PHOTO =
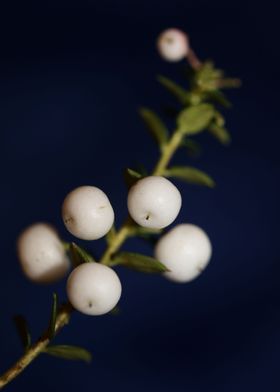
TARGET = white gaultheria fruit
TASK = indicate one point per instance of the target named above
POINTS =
(87, 213)
(173, 44)
(93, 288)
(185, 250)
(41, 254)
(154, 202)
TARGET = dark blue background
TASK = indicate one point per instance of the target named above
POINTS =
(71, 79)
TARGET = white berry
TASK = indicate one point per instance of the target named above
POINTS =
(41, 254)
(185, 250)
(173, 45)
(93, 288)
(87, 213)
(154, 202)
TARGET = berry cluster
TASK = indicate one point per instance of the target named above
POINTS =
(94, 288)
(153, 203)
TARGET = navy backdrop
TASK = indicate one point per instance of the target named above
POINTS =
(72, 77)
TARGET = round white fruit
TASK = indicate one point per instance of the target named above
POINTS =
(173, 45)
(93, 288)
(154, 202)
(185, 250)
(87, 213)
(41, 254)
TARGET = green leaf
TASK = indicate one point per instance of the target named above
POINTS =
(111, 235)
(131, 177)
(74, 353)
(220, 133)
(79, 255)
(175, 89)
(218, 97)
(191, 175)
(139, 262)
(208, 76)
(23, 332)
(195, 118)
(219, 119)
(155, 125)
(53, 316)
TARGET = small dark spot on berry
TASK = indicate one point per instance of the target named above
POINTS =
(68, 220)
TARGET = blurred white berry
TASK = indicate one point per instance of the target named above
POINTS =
(185, 250)
(173, 44)
(41, 254)
(154, 202)
(93, 288)
(87, 213)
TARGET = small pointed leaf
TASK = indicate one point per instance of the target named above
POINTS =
(195, 118)
(139, 263)
(219, 119)
(23, 332)
(220, 133)
(79, 255)
(53, 316)
(179, 92)
(131, 177)
(191, 175)
(218, 97)
(208, 76)
(73, 353)
(155, 125)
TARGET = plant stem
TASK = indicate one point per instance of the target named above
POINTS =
(167, 153)
(37, 348)
(120, 237)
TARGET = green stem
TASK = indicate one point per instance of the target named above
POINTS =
(120, 237)
(167, 153)
(37, 348)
